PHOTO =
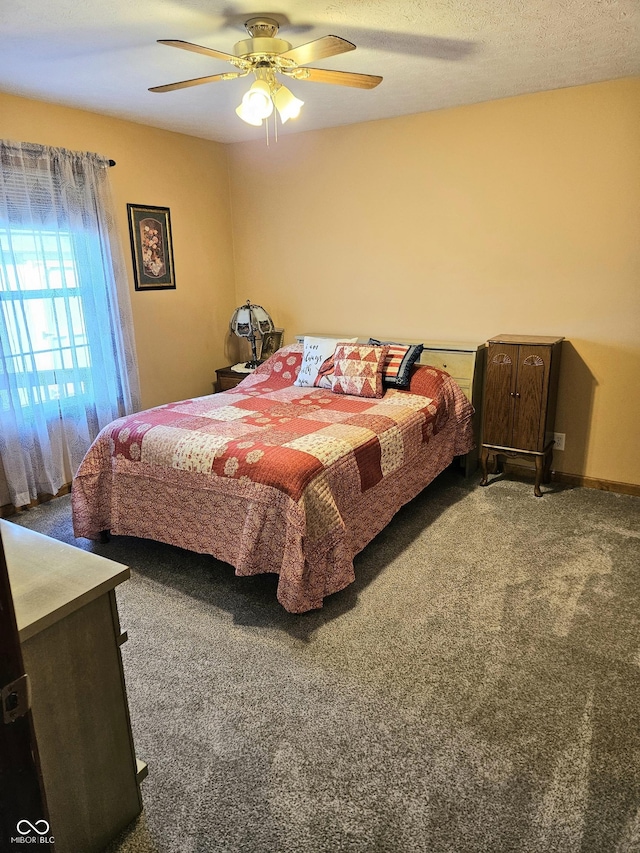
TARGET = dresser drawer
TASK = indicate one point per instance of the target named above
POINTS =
(458, 364)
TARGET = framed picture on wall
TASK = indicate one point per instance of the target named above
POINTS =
(151, 247)
(271, 342)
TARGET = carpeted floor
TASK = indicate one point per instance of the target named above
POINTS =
(476, 689)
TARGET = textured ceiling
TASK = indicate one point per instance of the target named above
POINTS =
(431, 53)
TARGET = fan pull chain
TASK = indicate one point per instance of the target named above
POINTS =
(275, 128)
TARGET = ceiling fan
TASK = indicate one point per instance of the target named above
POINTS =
(266, 56)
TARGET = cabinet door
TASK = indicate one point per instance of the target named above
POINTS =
(500, 386)
(531, 397)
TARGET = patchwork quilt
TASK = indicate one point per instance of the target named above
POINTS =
(272, 477)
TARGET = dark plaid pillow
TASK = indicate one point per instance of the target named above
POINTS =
(400, 359)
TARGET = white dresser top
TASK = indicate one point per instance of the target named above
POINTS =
(50, 579)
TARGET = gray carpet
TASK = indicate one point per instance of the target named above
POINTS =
(477, 688)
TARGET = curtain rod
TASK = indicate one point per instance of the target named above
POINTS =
(33, 146)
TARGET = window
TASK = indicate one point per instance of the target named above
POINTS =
(67, 360)
(42, 318)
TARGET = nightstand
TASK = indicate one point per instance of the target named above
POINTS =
(227, 378)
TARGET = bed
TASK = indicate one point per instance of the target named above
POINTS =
(272, 476)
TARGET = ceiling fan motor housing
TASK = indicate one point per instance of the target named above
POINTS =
(263, 41)
(260, 46)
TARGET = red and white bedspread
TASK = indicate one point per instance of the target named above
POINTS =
(270, 477)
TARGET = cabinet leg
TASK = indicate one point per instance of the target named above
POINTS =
(539, 471)
(484, 457)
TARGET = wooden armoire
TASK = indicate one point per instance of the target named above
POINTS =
(520, 391)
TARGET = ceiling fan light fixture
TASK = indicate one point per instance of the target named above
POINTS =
(243, 113)
(287, 104)
(256, 103)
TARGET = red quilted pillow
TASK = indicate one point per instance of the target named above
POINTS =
(358, 370)
(427, 381)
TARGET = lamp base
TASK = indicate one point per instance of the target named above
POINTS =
(253, 364)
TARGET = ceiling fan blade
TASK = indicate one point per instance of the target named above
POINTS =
(198, 48)
(197, 81)
(339, 78)
(319, 49)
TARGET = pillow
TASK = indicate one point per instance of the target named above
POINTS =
(358, 370)
(316, 351)
(401, 358)
(427, 381)
(325, 374)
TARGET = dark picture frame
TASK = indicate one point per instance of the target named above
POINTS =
(271, 343)
(151, 247)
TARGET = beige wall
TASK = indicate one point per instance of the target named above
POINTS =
(180, 334)
(515, 216)
(519, 216)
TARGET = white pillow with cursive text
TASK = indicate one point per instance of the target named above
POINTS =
(315, 352)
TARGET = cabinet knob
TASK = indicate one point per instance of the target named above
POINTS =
(514, 393)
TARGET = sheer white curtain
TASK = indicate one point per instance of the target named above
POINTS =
(67, 354)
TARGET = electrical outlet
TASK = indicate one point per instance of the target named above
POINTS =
(558, 438)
